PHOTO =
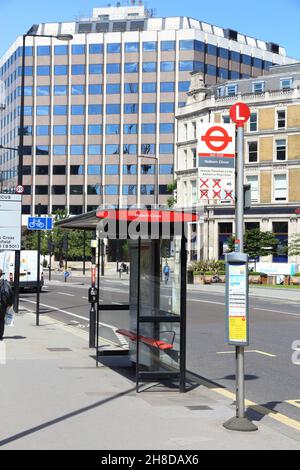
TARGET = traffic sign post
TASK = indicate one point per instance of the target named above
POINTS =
(237, 291)
(216, 152)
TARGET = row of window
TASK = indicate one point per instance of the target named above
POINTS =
(280, 187)
(97, 109)
(280, 123)
(130, 169)
(111, 88)
(280, 150)
(95, 129)
(110, 149)
(258, 86)
(95, 189)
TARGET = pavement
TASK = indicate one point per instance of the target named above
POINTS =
(53, 397)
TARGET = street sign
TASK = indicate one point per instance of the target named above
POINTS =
(10, 221)
(216, 152)
(19, 189)
(40, 223)
(240, 113)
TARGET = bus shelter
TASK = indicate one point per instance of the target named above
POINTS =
(149, 322)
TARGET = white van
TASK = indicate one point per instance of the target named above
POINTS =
(28, 268)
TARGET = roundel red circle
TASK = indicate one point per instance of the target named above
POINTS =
(20, 189)
(213, 136)
(240, 113)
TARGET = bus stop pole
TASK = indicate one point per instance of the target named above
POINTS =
(38, 287)
(92, 330)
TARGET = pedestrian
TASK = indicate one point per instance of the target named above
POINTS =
(166, 272)
(6, 301)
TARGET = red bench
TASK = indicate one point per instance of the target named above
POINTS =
(155, 343)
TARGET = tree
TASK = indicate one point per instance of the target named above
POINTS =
(293, 247)
(172, 189)
(257, 243)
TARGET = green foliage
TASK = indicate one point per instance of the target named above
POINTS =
(171, 188)
(208, 267)
(257, 243)
(293, 248)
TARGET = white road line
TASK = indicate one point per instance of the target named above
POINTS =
(277, 311)
(65, 293)
(85, 298)
(205, 301)
(263, 353)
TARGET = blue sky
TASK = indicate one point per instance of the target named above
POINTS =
(270, 20)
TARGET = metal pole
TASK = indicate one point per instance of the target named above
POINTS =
(84, 242)
(102, 257)
(156, 184)
(92, 330)
(38, 272)
(20, 176)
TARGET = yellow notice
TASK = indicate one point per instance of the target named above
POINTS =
(238, 329)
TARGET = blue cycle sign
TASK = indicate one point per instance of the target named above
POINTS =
(40, 223)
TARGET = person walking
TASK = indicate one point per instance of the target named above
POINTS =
(166, 272)
(6, 301)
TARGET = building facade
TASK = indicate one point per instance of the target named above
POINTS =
(100, 110)
(272, 158)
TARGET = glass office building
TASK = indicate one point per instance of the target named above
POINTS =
(100, 110)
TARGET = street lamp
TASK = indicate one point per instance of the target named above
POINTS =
(31, 32)
(156, 200)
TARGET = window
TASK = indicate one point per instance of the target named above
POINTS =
(28, 90)
(41, 170)
(253, 122)
(77, 130)
(111, 189)
(114, 48)
(113, 109)
(223, 53)
(113, 68)
(95, 69)
(131, 67)
(78, 89)
(286, 84)
(149, 46)
(129, 189)
(130, 128)
(94, 109)
(131, 47)
(147, 189)
(231, 90)
(95, 129)
(95, 89)
(149, 67)
(149, 87)
(281, 232)
(131, 108)
(60, 110)
(77, 109)
(42, 130)
(43, 90)
(252, 152)
(112, 129)
(211, 49)
(148, 108)
(281, 149)
(253, 181)
(94, 189)
(129, 169)
(148, 149)
(96, 48)
(129, 149)
(168, 45)
(94, 170)
(84, 28)
(77, 150)
(43, 50)
(131, 88)
(78, 69)
(258, 63)
(78, 49)
(42, 150)
(148, 128)
(167, 107)
(166, 128)
(147, 169)
(111, 169)
(246, 59)
(166, 148)
(58, 189)
(226, 119)
(186, 45)
(113, 88)
(43, 70)
(281, 119)
(280, 188)
(258, 87)
(194, 157)
(60, 70)
(60, 90)
(60, 130)
(42, 110)
(184, 86)
(59, 150)
(76, 189)
(167, 87)
(94, 149)
(77, 170)
(166, 169)
(59, 170)
(112, 149)
(233, 75)
(41, 190)
(211, 70)
(191, 66)
(167, 66)
(60, 50)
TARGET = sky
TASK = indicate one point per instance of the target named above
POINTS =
(269, 20)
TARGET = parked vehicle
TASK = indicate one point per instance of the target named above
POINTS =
(28, 268)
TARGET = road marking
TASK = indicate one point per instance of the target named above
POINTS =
(262, 410)
(277, 311)
(206, 301)
(85, 298)
(65, 293)
(263, 353)
(293, 402)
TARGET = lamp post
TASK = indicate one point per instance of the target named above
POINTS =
(31, 33)
(156, 190)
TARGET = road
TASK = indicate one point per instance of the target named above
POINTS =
(271, 377)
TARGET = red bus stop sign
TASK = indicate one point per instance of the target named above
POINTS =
(240, 113)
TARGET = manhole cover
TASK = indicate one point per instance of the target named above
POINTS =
(59, 349)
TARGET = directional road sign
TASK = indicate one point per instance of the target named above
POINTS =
(10, 221)
(40, 223)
